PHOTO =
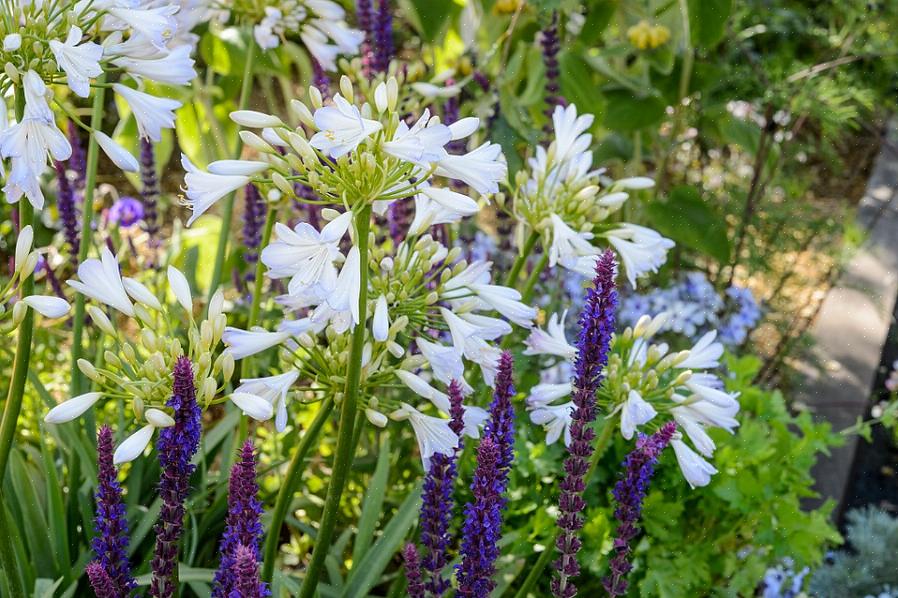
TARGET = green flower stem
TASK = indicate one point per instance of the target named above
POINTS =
(87, 214)
(535, 573)
(270, 219)
(288, 487)
(343, 454)
(228, 208)
(519, 262)
(527, 292)
(16, 391)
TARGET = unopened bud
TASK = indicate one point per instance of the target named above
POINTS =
(100, 320)
(112, 359)
(18, 313)
(346, 89)
(88, 369)
(376, 418)
(227, 366)
(303, 113)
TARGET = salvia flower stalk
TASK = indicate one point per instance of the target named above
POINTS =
(253, 219)
(149, 192)
(551, 44)
(176, 446)
(110, 544)
(383, 36)
(596, 327)
(100, 581)
(437, 504)
(629, 493)
(68, 209)
(412, 563)
(243, 528)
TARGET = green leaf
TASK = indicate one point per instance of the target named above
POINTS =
(366, 574)
(56, 511)
(598, 17)
(627, 111)
(690, 221)
(707, 21)
(577, 83)
(430, 17)
(373, 505)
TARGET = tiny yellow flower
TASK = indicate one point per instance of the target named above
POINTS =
(506, 7)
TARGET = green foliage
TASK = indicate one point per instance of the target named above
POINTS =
(869, 566)
(691, 221)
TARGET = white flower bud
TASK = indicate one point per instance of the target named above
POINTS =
(88, 369)
(12, 42)
(205, 335)
(376, 417)
(133, 446)
(158, 418)
(282, 183)
(209, 388)
(252, 140)
(23, 246)
(227, 366)
(392, 93)
(143, 314)
(255, 120)
(380, 326)
(380, 98)
(74, 407)
(119, 155)
(346, 89)
(18, 313)
(254, 406)
(216, 305)
(99, 318)
(148, 339)
(30, 264)
(48, 306)
(112, 359)
(303, 113)
(395, 349)
(178, 284)
(315, 97)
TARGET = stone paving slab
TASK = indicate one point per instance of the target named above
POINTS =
(853, 322)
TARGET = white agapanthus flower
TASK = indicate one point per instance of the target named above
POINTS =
(101, 280)
(92, 38)
(433, 433)
(643, 380)
(566, 202)
(133, 446)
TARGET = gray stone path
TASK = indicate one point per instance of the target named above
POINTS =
(852, 325)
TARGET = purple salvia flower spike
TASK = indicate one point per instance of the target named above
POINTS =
(629, 493)
(383, 37)
(78, 160)
(483, 523)
(110, 523)
(320, 79)
(253, 220)
(365, 20)
(399, 218)
(149, 193)
(176, 446)
(596, 326)
(412, 564)
(100, 581)
(68, 210)
(551, 45)
(244, 526)
(437, 505)
(246, 575)
(501, 423)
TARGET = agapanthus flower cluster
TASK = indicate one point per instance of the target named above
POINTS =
(138, 366)
(319, 24)
(49, 44)
(13, 310)
(695, 307)
(645, 379)
(565, 201)
(419, 293)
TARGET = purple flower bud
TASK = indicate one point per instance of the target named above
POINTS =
(176, 446)
(244, 526)
(365, 20)
(253, 220)
(437, 505)
(126, 212)
(483, 524)
(413, 571)
(246, 575)
(77, 161)
(110, 523)
(68, 210)
(399, 218)
(100, 581)
(383, 37)
(596, 326)
(501, 423)
(320, 79)
(149, 192)
(551, 44)
(629, 493)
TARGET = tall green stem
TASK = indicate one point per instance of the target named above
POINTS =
(13, 406)
(23, 344)
(535, 573)
(343, 454)
(270, 218)
(288, 487)
(87, 214)
(519, 262)
(228, 208)
(527, 292)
